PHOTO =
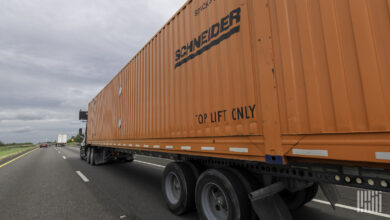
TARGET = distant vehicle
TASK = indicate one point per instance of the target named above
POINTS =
(61, 140)
(43, 145)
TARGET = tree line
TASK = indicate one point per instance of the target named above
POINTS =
(77, 138)
(12, 144)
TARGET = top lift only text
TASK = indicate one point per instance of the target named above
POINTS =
(238, 113)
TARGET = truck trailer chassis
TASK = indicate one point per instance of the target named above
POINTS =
(272, 189)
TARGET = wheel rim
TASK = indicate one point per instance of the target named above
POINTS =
(214, 202)
(173, 188)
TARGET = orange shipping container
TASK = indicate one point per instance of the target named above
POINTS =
(260, 80)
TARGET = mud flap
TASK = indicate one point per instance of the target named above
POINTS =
(331, 193)
(267, 203)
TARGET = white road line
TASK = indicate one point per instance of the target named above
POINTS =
(81, 175)
(352, 208)
(122, 216)
(161, 166)
(64, 157)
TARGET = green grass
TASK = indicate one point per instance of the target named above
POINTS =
(8, 151)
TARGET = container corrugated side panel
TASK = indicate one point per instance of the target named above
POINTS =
(161, 101)
(332, 62)
(104, 113)
(221, 78)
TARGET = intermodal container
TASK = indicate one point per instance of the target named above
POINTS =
(265, 80)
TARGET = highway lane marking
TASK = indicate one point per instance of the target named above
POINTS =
(122, 216)
(4, 164)
(160, 166)
(352, 208)
(64, 157)
(81, 175)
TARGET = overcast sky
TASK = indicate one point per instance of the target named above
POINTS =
(55, 56)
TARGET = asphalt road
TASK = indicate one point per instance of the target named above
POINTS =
(44, 184)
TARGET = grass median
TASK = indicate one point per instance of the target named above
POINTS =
(9, 151)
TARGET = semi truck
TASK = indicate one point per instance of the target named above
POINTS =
(61, 140)
(259, 103)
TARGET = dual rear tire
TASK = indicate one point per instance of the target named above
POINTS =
(88, 159)
(178, 186)
(221, 195)
(217, 193)
(90, 155)
(295, 200)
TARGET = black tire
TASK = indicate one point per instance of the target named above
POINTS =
(92, 160)
(250, 183)
(311, 192)
(88, 155)
(295, 200)
(128, 159)
(222, 186)
(197, 169)
(179, 200)
(82, 153)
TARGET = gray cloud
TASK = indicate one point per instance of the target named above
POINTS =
(26, 117)
(17, 130)
(55, 56)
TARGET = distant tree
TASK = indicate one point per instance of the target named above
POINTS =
(70, 139)
(78, 138)
(1, 143)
